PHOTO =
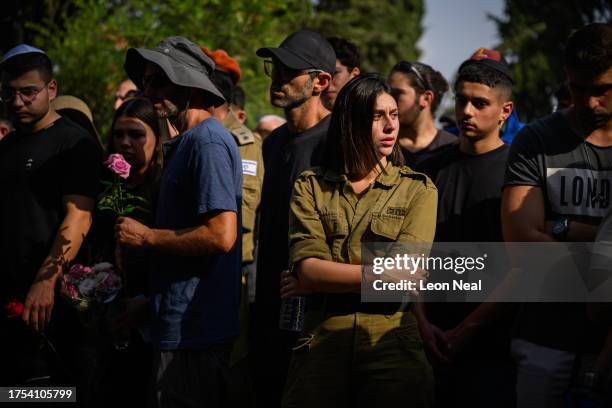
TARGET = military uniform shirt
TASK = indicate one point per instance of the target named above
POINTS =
(252, 179)
(329, 221)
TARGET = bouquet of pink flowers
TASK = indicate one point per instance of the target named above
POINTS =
(115, 198)
(85, 286)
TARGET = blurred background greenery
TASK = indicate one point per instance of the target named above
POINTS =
(87, 39)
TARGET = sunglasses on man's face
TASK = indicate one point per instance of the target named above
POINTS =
(155, 81)
(271, 69)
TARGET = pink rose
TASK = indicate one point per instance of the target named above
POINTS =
(72, 291)
(117, 164)
(69, 289)
(78, 271)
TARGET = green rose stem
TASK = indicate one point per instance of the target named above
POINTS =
(122, 203)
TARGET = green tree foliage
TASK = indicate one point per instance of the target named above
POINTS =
(88, 39)
(89, 51)
(385, 31)
(533, 36)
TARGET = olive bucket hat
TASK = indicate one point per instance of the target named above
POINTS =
(183, 62)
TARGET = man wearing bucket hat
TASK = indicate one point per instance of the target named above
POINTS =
(301, 70)
(195, 281)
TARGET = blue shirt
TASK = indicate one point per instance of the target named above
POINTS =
(196, 299)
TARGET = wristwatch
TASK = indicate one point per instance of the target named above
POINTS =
(591, 380)
(560, 229)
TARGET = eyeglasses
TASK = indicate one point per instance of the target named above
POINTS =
(27, 94)
(155, 81)
(408, 67)
(271, 69)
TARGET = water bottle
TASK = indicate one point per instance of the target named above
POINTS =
(292, 314)
(292, 310)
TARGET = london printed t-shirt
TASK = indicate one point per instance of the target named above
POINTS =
(575, 179)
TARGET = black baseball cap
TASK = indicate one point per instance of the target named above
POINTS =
(302, 50)
(492, 59)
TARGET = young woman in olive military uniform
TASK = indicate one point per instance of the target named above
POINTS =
(352, 353)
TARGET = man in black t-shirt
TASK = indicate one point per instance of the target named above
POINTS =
(469, 341)
(419, 90)
(300, 69)
(49, 179)
(557, 188)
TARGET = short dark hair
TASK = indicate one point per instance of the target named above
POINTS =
(349, 147)
(238, 97)
(140, 108)
(22, 63)
(346, 52)
(483, 74)
(224, 82)
(589, 49)
(433, 79)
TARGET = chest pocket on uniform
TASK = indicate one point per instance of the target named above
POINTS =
(386, 227)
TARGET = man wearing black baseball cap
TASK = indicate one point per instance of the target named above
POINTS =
(195, 279)
(301, 70)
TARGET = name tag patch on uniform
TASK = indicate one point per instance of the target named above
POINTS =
(401, 211)
(249, 167)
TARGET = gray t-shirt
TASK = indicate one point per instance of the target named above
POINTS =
(575, 178)
(574, 175)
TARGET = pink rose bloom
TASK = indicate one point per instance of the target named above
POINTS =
(117, 164)
(78, 271)
(72, 291)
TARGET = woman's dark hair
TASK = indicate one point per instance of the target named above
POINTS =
(349, 146)
(139, 108)
(428, 79)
